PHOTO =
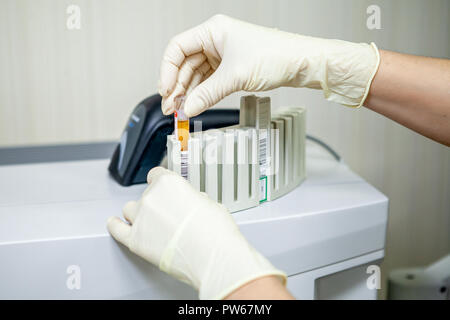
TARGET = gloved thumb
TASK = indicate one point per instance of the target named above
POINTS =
(208, 93)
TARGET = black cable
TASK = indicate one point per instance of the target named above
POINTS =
(325, 146)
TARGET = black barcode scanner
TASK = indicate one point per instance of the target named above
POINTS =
(142, 145)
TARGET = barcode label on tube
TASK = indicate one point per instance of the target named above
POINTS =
(184, 164)
(263, 163)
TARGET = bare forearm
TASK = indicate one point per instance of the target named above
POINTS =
(266, 288)
(415, 92)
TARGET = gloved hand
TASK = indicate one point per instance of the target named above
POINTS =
(224, 55)
(189, 236)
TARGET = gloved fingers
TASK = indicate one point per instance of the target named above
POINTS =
(154, 173)
(199, 76)
(168, 104)
(208, 93)
(167, 77)
(180, 47)
(130, 211)
(204, 68)
(192, 66)
(119, 230)
(196, 80)
(189, 66)
(208, 74)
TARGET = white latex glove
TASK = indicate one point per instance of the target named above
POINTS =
(224, 55)
(189, 236)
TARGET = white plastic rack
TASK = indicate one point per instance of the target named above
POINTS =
(242, 166)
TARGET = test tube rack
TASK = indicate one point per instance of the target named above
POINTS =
(259, 160)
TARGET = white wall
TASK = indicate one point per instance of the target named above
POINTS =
(59, 86)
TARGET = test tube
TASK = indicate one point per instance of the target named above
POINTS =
(182, 134)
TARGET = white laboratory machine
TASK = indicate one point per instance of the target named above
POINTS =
(54, 244)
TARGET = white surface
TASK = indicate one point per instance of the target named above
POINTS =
(53, 215)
